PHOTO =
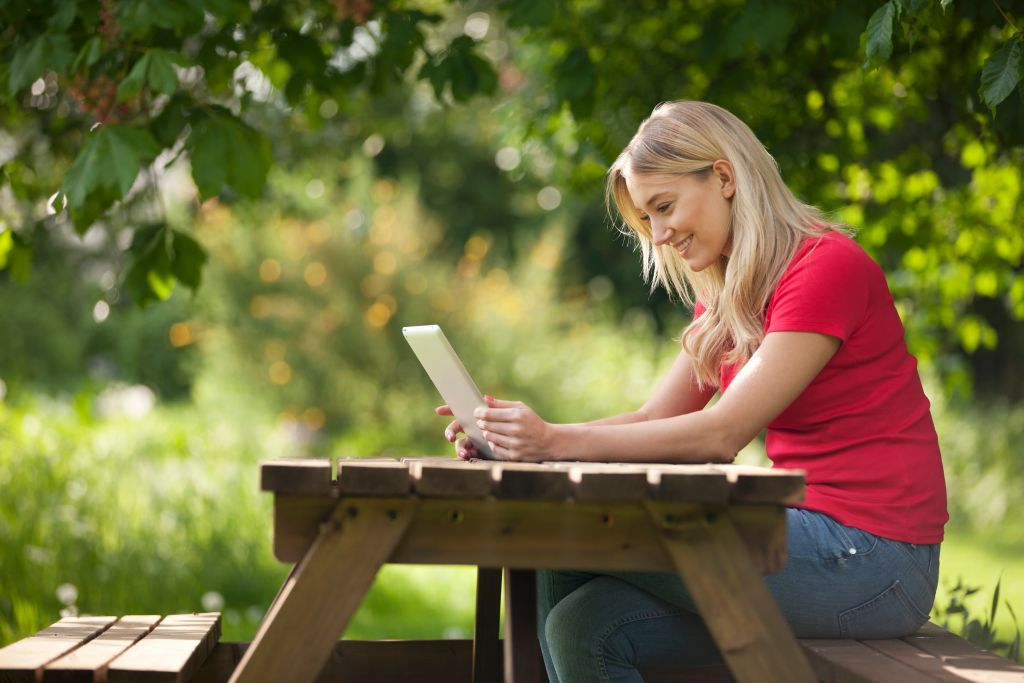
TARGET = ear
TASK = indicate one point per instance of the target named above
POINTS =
(724, 175)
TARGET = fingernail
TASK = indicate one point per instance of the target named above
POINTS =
(488, 397)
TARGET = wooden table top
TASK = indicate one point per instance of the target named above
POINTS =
(445, 477)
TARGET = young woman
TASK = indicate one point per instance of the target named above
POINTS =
(795, 325)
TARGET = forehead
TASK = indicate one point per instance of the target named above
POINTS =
(642, 187)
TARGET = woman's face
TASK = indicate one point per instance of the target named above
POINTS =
(690, 213)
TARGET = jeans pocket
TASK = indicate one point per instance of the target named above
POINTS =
(890, 614)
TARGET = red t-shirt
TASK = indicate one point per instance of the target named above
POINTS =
(862, 429)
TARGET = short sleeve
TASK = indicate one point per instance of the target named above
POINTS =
(826, 290)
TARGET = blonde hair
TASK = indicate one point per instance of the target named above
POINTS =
(768, 224)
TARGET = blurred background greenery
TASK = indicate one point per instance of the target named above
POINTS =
(130, 437)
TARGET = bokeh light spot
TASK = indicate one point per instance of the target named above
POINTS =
(270, 270)
(280, 372)
(315, 274)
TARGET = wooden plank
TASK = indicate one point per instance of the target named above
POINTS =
(297, 520)
(523, 660)
(907, 654)
(373, 477)
(173, 651)
(533, 481)
(90, 661)
(451, 478)
(24, 659)
(609, 483)
(851, 661)
(749, 484)
(525, 534)
(534, 534)
(297, 635)
(486, 643)
(221, 663)
(399, 661)
(963, 659)
(741, 614)
(300, 476)
(763, 530)
(690, 483)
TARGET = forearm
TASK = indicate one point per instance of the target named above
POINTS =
(621, 419)
(696, 437)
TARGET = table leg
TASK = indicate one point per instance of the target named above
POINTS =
(486, 643)
(741, 614)
(523, 660)
(299, 632)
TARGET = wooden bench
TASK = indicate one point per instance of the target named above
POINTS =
(184, 648)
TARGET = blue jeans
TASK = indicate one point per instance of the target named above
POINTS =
(838, 582)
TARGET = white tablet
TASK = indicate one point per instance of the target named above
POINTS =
(450, 377)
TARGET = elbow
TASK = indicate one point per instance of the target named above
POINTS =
(724, 441)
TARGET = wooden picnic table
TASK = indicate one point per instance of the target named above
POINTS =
(719, 526)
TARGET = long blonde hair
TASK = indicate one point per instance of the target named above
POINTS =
(768, 224)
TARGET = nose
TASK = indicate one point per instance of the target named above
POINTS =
(661, 233)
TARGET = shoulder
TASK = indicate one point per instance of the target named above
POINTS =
(829, 257)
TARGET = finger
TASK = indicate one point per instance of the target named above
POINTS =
(452, 430)
(503, 440)
(500, 403)
(497, 414)
(444, 410)
(465, 449)
(502, 453)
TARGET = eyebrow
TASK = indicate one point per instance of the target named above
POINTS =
(654, 198)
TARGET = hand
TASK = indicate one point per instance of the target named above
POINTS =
(464, 448)
(514, 431)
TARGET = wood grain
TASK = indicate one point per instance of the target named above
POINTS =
(297, 635)
(297, 476)
(89, 662)
(739, 611)
(20, 661)
(173, 651)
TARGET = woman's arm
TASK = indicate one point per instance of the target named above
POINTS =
(676, 394)
(782, 367)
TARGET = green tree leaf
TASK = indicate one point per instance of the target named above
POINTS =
(879, 34)
(89, 54)
(63, 16)
(1001, 73)
(149, 277)
(47, 51)
(153, 69)
(105, 170)
(188, 259)
(225, 151)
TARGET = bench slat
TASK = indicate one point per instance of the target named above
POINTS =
(83, 663)
(967, 661)
(173, 651)
(851, 661)
(915, 658)
(373, 477)
(21, 660)
(301, 476)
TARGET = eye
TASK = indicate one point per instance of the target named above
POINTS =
(645, 218)
(664, 207)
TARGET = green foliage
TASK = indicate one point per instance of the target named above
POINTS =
(163, 514)
(1002, 72)
(879, 33)
(981, 632)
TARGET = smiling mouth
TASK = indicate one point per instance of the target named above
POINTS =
(683, 246)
